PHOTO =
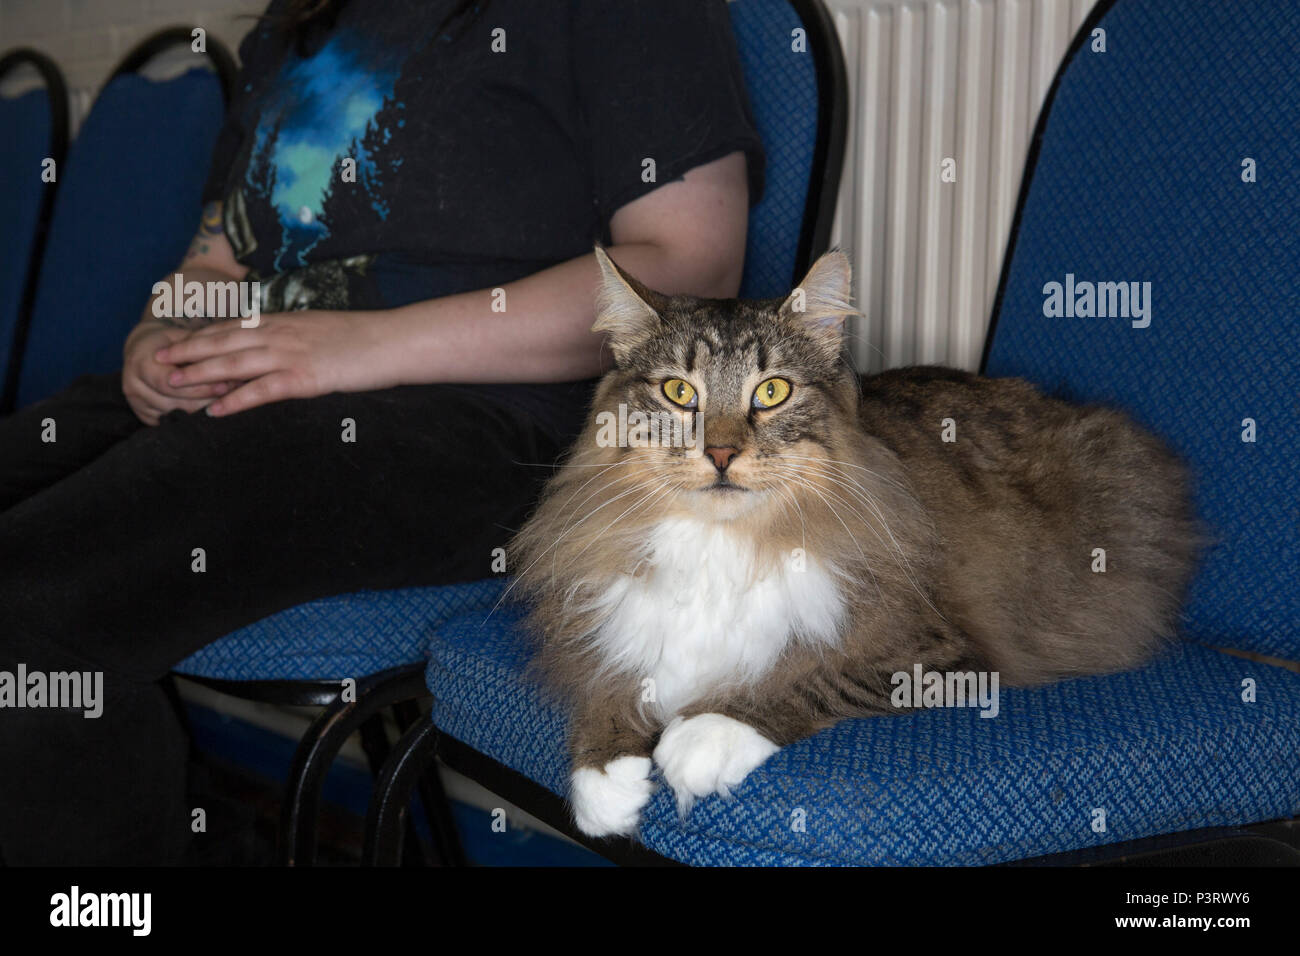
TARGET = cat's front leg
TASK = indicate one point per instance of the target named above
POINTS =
(714, 744)
(709, 753)
(610, 746)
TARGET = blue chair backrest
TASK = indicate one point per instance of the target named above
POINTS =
(783, 88)
(1171, 159)
(126, 210)
(25, 128)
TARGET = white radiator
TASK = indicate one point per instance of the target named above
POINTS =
(929, 81)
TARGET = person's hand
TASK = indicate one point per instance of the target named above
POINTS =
(288, 355)
(144, 378)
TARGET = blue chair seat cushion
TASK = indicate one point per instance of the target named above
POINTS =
(351, 635)
(1167, 748)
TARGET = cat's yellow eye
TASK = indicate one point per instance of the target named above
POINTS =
(771, 393)
(680, 393)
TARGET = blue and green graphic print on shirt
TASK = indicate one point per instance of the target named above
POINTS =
(322, 115)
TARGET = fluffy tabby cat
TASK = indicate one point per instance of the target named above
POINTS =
(703, 604)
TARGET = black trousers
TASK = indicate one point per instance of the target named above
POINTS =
(98, 535)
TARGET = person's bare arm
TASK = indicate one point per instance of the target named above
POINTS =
(685, 237)
(144, 379)
(209, 258)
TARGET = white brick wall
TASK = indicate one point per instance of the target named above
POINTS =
(87, 38)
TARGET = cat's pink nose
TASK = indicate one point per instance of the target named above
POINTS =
(721, 456)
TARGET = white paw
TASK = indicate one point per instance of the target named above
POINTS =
(708, 754)
(607, 802)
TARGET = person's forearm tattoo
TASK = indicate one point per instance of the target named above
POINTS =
(209, 228)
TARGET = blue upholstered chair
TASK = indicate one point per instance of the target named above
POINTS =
(134, 176)
(34, 128)
(1136, 174)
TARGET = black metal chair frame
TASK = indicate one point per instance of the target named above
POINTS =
(398, 688)
(57, 91)
(411, 763)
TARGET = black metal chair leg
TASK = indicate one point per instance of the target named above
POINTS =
(321, 744)
(442, 822)
(411, 764)
(374, 741)
(447, 848)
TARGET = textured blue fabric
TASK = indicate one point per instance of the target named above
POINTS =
(1167, 748)
(1139, 178)
(782, 86)
(128, 204)
(347, 636)
(25, 132)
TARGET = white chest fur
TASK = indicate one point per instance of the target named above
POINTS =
(700, 614)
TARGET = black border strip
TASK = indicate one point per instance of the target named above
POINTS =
(57, 92)
(1031, 164)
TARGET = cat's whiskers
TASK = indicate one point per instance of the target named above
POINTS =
(848, 464)
(789, 486)
(868, 499)
(865, 562)
(569, 529)
(861, 493)
(904, 565)
(655, 494)
(560, 465)
(848, 483)
(807, 474)
(856, 488)
(640, 486)
(836, 467)
(602, 489)
(788, 498)
(629, 460)
(852, 536)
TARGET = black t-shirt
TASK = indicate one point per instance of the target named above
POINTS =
(426, 147)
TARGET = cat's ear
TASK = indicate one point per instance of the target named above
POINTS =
(625, 309)
(824, 299)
